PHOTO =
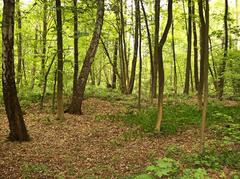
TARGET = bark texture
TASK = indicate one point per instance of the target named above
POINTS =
(78, 94)
(161, 67)
(18, 131)
(60, 111)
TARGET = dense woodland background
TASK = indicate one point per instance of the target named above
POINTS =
(165, 67)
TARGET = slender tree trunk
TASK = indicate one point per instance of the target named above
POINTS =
(54, 91)
(44, 40)
(124, 48)
(92, 75)
(224, 61)
(120, 20)
(156, 38)
(77, 98)
(195, 46)
(114, 63)
(19, 42)
(45, 82)
(213, 70)
(136, 41)
(75, 17)
(33, 73)
(115, 57)
(174, 62)
(161, 67)
(18, 131)
(189, 48)
(204, 29)
(60, 111)
(140, 60)
(150, 48)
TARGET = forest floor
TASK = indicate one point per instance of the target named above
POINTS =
(90, 146)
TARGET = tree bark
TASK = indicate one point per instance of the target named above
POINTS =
(189, 49)
(136, 41)
(140, 59)
(19, 42)
(156, 38)
(195, 46)
(225, 56)
(44, 41)
(174, 62)
(204, 30)
(161, 67)
(115, 57)
(60, 111)
(18, 131)
(33, 72)
(77, 98)
(75, 17)
(45, 82)
(150, 48)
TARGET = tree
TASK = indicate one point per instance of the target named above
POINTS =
(156, 38)
(75, 17)
(189, 48)
(115, 57)
(18, 131)
(60, 111)
(136, 41)
(195, 46)
(150, 48)
(174, 62)
(225, 56)
(44, 48)
(19, 42)
(204, 31)
(161, 67)
(78, 94)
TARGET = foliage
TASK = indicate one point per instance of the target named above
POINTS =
(170, 168)
(179, 116)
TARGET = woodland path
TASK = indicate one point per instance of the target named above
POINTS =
(83, 146)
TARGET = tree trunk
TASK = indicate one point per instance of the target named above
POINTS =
(19, 42)
(195, 41)
(115, 57)
(140, 59)
(54, 90)
(224, 61)
(33, 72)
(45, 82)
(60, 111)
(77, 98)
(204, 30)
(150, 48)
(161, 67)
(135, 53)
(44, 41)
(124, 48)
(75, 17)
(189, 48)
(213, 70)
(174, 62)
(156, 38)
(18, 131)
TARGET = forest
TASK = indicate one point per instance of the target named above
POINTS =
(137, 89)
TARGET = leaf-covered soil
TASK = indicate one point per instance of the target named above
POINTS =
(84, 146)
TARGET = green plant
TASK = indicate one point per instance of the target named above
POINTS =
(208, 159)
(164, 167)
(231, 158)
(199, 173)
